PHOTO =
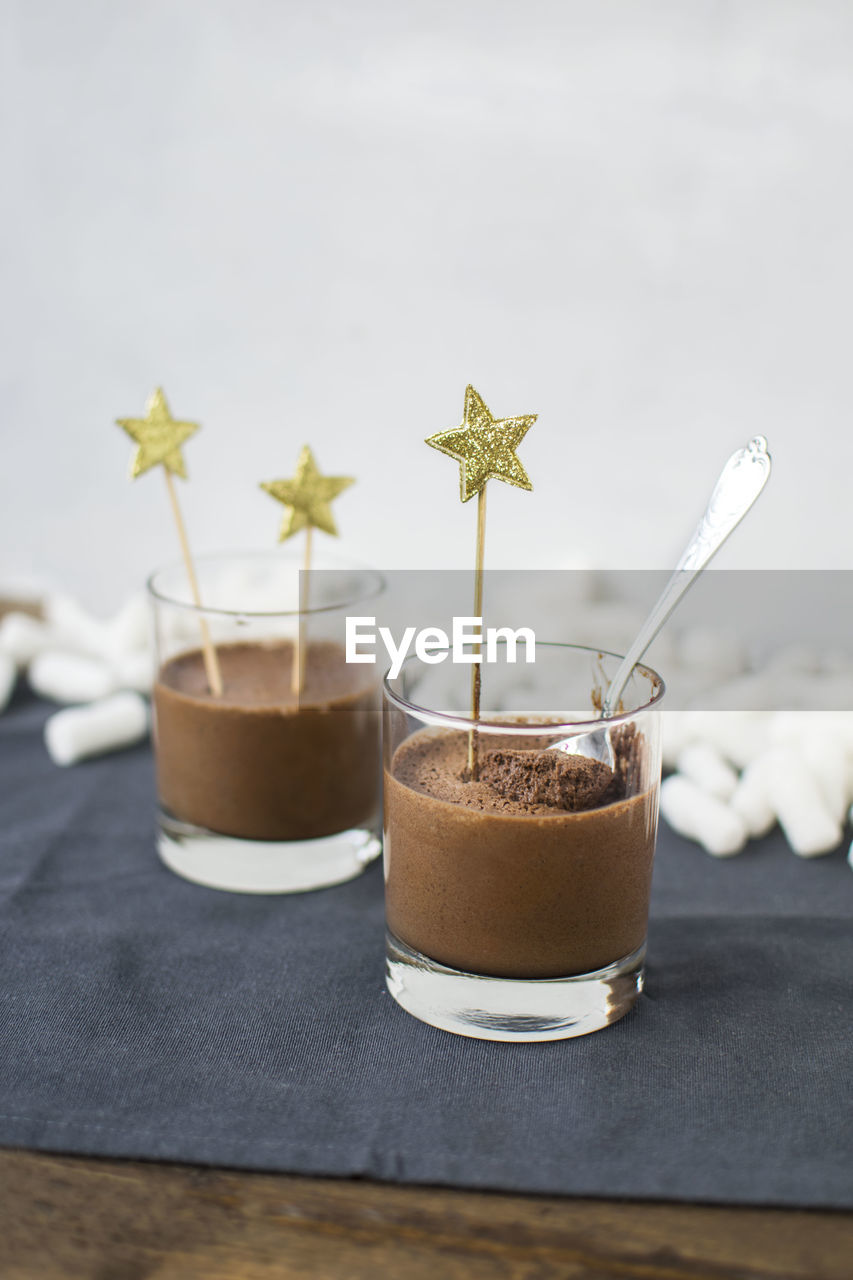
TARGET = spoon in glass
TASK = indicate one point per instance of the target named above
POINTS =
(741, 481)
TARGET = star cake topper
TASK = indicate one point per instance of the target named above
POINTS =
(158, 437)
(485, 446)
(307, 497)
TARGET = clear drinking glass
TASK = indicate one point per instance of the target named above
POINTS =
(264, 788)
(511, 914)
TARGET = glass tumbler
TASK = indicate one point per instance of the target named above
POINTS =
(272, 784)
(517, 893)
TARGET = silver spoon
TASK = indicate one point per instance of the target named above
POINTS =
(741, 481)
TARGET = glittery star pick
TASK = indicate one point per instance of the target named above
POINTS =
(307, 497)
(159, 437)
(485, 446)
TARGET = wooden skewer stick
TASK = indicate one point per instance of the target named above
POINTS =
(487, 445)
(211, 662)
(473, 761)
(297, 679)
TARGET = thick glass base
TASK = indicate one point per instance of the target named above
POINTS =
(511, 1008)
(263, 866)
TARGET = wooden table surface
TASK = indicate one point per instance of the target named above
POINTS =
(68, 1217)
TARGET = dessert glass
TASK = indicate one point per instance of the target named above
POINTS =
(263, 790)
(510, 919)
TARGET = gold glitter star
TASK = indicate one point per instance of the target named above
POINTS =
(307, 497)
(485, 446)
(159, 437)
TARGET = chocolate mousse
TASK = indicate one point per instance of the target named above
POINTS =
(551, 779)
(541, 868)
(260, 762)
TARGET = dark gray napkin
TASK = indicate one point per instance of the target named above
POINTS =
(146, 1017)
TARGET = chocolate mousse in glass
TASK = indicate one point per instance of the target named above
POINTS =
(517, 900)
(263, 789)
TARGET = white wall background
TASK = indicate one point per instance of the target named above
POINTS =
(318, 219)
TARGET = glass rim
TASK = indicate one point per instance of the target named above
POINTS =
(529, 728)
(157, 593)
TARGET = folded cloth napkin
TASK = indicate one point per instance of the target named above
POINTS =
(143, 1016)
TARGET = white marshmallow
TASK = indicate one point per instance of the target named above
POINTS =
(794, 726)
(70, 677)
(703, 764)
(74, 628)
(22, 637)
(134, 671)
(826, 757)
(787, 727)
(739, 736)
(129, 630)
(839, 723)
(675, 734)
(693, 813)
(751, 800)
(8, 676)
(809, 827)
(80, 732)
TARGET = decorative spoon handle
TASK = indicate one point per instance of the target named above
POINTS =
(741, 481)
